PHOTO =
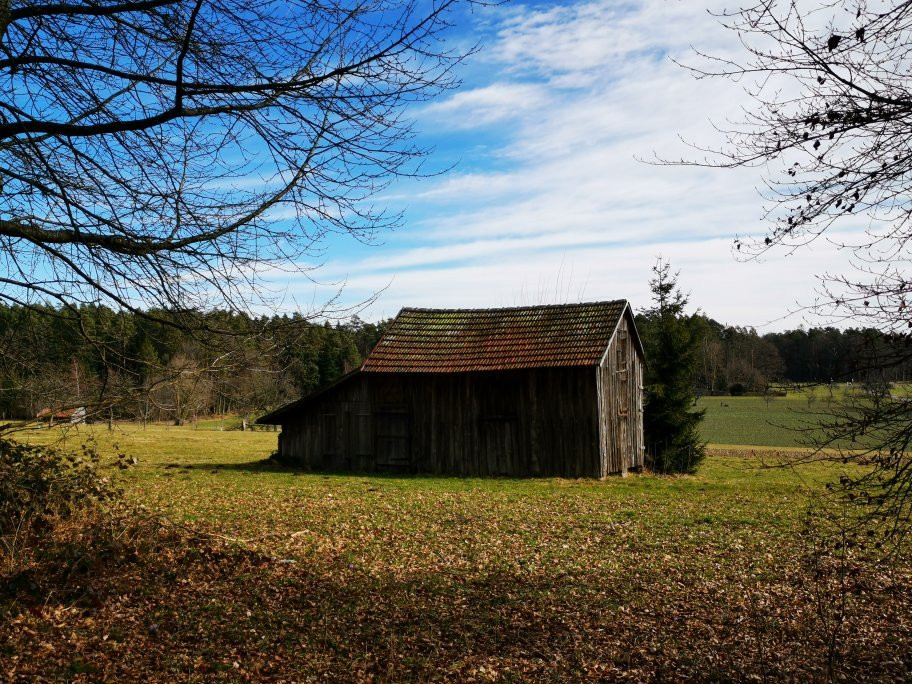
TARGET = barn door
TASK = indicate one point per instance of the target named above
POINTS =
(497, 425)
(392, 441)
(498, 445)
(623, 400)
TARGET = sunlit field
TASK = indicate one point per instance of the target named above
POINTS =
(792, 420)
(360, 577)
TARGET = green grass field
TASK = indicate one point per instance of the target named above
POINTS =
(369, 578)
(754, 421)
(198, 474)
(789, 421)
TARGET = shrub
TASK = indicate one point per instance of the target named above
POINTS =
(39, 484)
(63, 526)
(737, 390)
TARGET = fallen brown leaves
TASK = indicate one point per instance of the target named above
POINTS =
(277, 575)
(155, 602)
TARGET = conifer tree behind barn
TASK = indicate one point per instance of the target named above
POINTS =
(528, 391)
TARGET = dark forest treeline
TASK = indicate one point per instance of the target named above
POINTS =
(145, 368)
(738, 357)
(141, 367)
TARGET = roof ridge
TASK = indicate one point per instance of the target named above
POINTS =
(516, 308)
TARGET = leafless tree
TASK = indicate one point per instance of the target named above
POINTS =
(831, 87)
(163, 155)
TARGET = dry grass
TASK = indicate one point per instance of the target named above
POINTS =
(295, 577)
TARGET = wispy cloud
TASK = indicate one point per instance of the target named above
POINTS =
(517, 273)
(550, 202)
(471, 108)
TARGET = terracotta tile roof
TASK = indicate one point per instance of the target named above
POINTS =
(462, 340)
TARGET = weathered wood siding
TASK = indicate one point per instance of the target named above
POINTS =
(570, 422)
(333, 432)
(620, 402)
(541, 422)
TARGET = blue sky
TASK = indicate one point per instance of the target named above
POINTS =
(548, 201)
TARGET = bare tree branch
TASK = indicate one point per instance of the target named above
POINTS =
(157, 156)
(831, 122)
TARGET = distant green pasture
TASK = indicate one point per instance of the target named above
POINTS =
(774, 421)
(754, 421)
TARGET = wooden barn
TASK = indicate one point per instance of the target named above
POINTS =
(528, 391)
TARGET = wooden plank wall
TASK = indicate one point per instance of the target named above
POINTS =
(521, 423)
(620, 403)
(327, 434)
(542, 422)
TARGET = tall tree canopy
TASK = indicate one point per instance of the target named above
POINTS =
(161, 156)
(832, 99)
(831, 83)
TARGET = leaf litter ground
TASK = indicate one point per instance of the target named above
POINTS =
(238, 570)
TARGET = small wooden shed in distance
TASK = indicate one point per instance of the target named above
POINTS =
(528, 391)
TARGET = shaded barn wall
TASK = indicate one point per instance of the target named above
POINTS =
(521, 423)
(620, 403)
(333, 431)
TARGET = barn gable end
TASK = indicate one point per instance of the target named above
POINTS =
(525, 391)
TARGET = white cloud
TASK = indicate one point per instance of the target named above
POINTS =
(587, 37)
(515, 273)
(487, 105)
(558, 207)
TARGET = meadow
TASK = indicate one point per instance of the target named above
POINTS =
(267, 573)
(757, 421)
(789, 421)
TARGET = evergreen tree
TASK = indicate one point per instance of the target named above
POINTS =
(673, 443)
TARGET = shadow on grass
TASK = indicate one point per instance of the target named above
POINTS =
(210, 612)
(271, 465)
(263, 465)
